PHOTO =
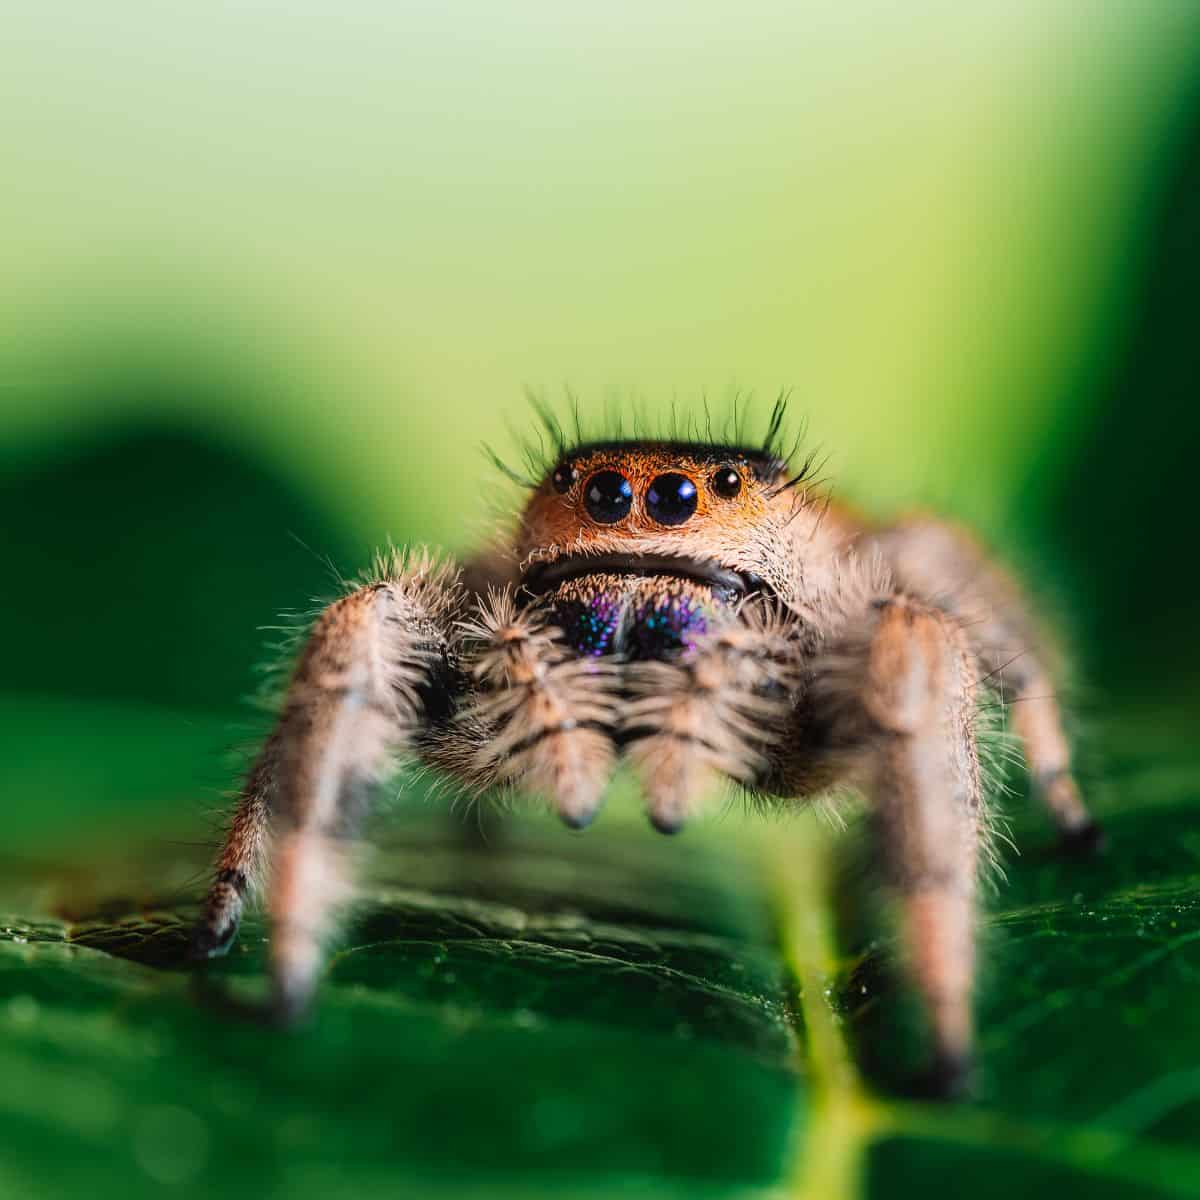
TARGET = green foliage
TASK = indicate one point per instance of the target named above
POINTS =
(537, 1012)
(541, 1013)
(978, 268)
(1089, 1072)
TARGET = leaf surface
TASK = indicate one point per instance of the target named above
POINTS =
(537, 1012)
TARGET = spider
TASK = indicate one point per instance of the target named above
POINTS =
(703, 612)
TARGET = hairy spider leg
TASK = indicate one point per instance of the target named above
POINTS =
(897, 701)
(944, 564)
(354, 703)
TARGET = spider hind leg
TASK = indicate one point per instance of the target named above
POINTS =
(896, 698)
(943, 564)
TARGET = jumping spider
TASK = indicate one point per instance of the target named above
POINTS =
(704, 613)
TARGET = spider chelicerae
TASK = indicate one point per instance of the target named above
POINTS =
(703, 611)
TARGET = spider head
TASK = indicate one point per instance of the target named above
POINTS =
(716, 515)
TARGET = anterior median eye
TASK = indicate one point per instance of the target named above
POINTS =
(671, 499)
(609, 496)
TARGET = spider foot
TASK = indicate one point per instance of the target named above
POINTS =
(211, 940)
(1083, 841)
(291, 1003)
(948, 1078)
(218, 927)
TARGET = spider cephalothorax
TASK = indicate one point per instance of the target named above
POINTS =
(701, 610)
(637, 549)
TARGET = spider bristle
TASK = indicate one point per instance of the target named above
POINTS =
(522, 480)
(997, 751)
(806, 474)
(630, 418)
(551, 423)
(775, 423)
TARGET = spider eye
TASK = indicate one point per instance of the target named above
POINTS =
(564, 476)
(671, 499)
(726, 482)
(609, 496)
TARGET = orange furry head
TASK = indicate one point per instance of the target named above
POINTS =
(729, 508)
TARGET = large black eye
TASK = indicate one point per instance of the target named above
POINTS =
(609, 496)
(671, 499)
(564, 476)
(726, 482)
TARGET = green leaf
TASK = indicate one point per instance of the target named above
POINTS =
(1089, 1050)
(541, 1012)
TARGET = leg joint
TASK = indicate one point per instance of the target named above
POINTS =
(234, 878)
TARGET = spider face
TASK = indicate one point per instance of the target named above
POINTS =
(641, 546)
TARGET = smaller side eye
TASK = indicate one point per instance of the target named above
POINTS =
(726, 482)
(564, 477)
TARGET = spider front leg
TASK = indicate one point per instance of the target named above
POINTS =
(357, 699)
(713, 712)
(243, 858)
(900, 706)
(539, 715)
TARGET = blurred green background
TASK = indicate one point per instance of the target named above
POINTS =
(270, 274)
